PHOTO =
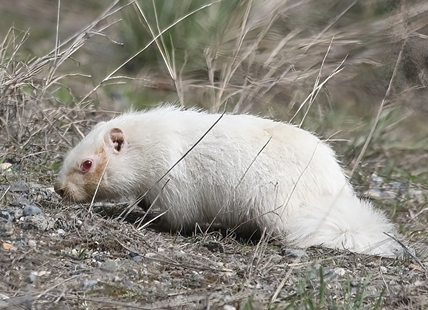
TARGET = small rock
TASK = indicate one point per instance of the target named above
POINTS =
(137, 258)
(26, 226)
(133, 254)
(109, 265)
(415, 267)
(39, 221)
(43, 273)
(31, 209)
(376, 179)
(340, 271)
(399, 185)
(15, 212)
(6, 167)
(88, 284)
(32, 243)
(31, 277)
(19, 187)
(20, 201)
(6, 215)
(9, 247)
(416, 194)
(197, 276)
(129, 283)
(6, 228)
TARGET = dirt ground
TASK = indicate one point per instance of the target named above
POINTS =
(70, 258)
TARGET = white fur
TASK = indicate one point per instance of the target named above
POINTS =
(294, 188)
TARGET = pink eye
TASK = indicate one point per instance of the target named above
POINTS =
(86, 166)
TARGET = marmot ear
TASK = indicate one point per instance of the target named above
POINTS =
(115, 139)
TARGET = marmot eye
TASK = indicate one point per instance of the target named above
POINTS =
(86, 166)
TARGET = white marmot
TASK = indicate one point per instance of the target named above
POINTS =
(246, 171)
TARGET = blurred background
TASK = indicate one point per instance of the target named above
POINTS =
(336, 67)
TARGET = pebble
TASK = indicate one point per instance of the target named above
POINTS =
(6, 228)
(129, 283)
(31, 209)
(6, 215)
(32, 277)
(9, 247)
(137, 258)
(6, 166)
(50, 189)
(88, 284)
(38, 221)
(42, 273)
(133, 254)
(340, 271)
(417, 194)
(109, 265)
(376, 179)
(20, 201)
(19, 187)
(26, 226)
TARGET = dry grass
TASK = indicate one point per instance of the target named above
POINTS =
(316, 63)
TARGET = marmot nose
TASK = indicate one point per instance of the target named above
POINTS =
(59, 190)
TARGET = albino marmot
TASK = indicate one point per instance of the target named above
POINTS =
(246, 171)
